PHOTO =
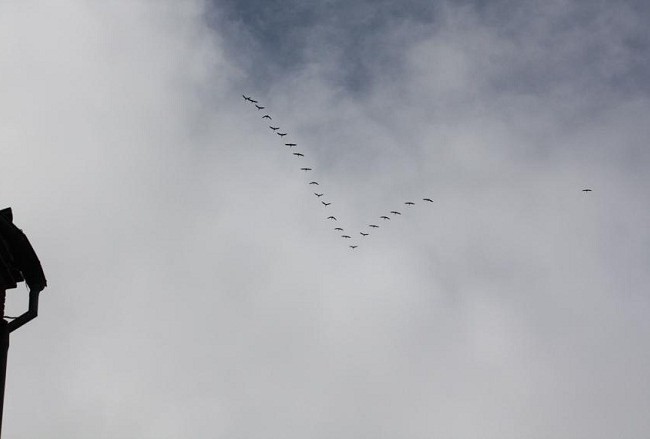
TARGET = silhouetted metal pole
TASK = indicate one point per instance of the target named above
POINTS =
(4, 350)
(18, 263)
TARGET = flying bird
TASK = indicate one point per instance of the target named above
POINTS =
(586, 190)
(428, 199)
(394, 212)
(410, 203)
(384, 217)
(281, 134)
(339, 229)
(259, 107)
(364, 234)
(325, 204)
(252, 100)
(305, 169)
(332, 218)
(275, 128)
(290, 145)
(246, 98)
(353, 246)
(298, 154)
(374, 226)
(266, 116)
(346, 236)
(314, 182)
(318, 195)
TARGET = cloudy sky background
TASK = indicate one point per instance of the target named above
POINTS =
(196, 289)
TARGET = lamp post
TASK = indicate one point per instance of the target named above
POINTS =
(18, 263)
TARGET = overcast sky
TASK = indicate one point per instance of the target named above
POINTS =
(196, 289)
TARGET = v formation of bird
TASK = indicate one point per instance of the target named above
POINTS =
(320, 193)
(363, 233)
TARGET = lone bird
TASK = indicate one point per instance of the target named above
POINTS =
(410, 203)
(290, 145)
(259, 107)
(332, 218)
(364, 234)
(314, 182)
(374, 226)
(305, 169)
(394, 212)
(298, 154)
(384, 217)
(338, 228)
(353, 246)
(586, 190)
(325, 204)
(427, 199)
(318, 195)
(281, 134)
(266, 116)
(275, 128)
(346, 236)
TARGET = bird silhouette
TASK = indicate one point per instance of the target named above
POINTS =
(374, 226)
(428, 199)
(586, 190)
(298, 154)
(259, 107)
(266, 116)
(252, 100)
(338, 228)
(364, 234)
(346, 236)
(246, 98)
(281, 134)
(332, 218)
(290, 145)
(275, 128)
(384, 217)
(305, 169)
(325, 204)
(314, 182)
(318, 195)
(394, 212)
(353, 246)
(410, 203)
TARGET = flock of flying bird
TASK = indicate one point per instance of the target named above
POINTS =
(319, 194)
(363, 234)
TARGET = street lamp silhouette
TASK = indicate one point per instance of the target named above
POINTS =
(18, 263)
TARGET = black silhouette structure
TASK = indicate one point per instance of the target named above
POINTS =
(18, 263)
